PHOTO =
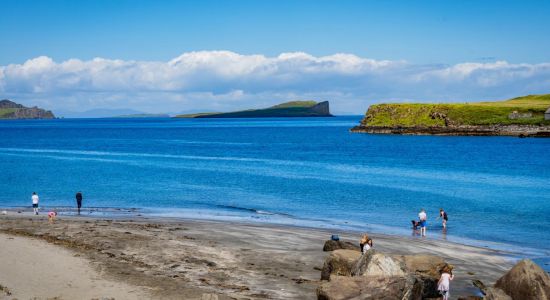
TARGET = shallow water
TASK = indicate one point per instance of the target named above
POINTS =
(310, 172)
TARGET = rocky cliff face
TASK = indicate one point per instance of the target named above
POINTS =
(322, 108)
(12, 110)
(466, 130)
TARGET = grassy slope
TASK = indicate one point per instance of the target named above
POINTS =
(5, 111)
(307, 103)
(480, 113)
(292, 108)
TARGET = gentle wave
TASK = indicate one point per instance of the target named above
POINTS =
(471, 177)
(385, 177)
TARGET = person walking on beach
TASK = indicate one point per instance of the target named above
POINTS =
(79, 201)
(34, 198)
(444, 217)
(445, 281)
(422, 217)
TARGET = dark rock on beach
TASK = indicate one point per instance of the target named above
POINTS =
(331, 245)
(380, 287)
(339, 262)
(525, 281)
(496, 294)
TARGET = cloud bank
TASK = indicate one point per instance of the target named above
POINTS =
(224, 80)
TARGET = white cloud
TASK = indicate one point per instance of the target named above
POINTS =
(224, 80)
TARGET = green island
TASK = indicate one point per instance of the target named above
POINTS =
(12, 110)
(287, 109)
(521, 116)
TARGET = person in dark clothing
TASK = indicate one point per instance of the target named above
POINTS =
(79, 201)
(444, 217)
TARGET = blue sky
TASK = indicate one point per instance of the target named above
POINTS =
(414, 35)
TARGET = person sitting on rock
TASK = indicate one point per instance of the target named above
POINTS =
(445, 281)
(365, 243)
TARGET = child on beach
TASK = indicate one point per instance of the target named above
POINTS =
(51, 216)
(365, 243)
(34, 203)
(444, 281)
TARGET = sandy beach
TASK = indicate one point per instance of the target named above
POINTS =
(140, 258)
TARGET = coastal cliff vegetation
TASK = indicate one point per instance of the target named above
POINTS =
(12, 110)
(527, 110)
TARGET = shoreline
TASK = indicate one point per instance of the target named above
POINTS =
(520, 131)
(435, 234)
(230, 259)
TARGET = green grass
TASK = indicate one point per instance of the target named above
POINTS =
(289, 104)
(479, 113)
(6, 111)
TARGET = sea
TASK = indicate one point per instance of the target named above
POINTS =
(309, 172)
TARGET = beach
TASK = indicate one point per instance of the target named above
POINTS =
(166, 258)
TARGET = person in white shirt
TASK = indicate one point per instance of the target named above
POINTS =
(34, 203)
(422, 217)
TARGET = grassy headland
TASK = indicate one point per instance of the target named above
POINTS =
(527, 110)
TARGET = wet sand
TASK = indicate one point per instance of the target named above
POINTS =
(188, 259)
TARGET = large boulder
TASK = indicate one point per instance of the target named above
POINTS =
(374, 263)
(525, 281)
(339, 262)
(496, 294)
(363, 288)
(331, 245)
(426, 270)
(429, 265)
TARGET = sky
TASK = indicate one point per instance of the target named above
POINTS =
(176, 56)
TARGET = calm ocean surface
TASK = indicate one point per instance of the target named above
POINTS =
(310, 172)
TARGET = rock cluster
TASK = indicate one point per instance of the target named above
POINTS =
(331, 245)
(348, 274)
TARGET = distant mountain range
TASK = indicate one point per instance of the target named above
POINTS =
(287, 109)
(12, 110)
(98, 113)
(143, 116)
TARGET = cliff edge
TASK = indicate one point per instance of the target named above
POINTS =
(522, 116)
(12, 110)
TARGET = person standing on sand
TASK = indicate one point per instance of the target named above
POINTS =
(34, 198)
(443, 215)
(445, 281)
(79, 201)
(422, 217)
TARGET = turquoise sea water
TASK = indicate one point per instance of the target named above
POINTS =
(310, 172)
